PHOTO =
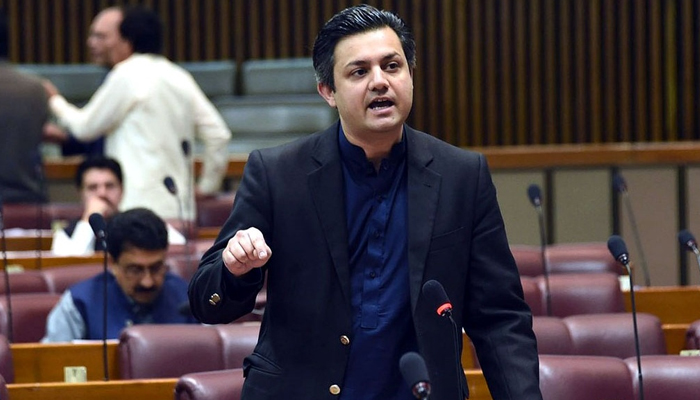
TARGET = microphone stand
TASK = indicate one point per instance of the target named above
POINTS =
(619, 250)
(6, 274)
(533, 192)
(97, 223)
(635, 232)
(40, 209)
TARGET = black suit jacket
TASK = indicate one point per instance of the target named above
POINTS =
(295, 195)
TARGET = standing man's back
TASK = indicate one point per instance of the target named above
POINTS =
(23, 112)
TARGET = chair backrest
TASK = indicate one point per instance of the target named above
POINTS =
(215, 78)
(214, 211)
(612, 335)
(692, 336)
(278, 76)
(39, 216)
(533, 295)
(584, 377)
(667, 377)
(581, 258)
(582, 293)
(552, 336)
(58, 279)
(29, 281)
(528, 259)
(29, 313)
(214, 385)
(170, 350)
(4, 395)
(238, 342)
(7, 368)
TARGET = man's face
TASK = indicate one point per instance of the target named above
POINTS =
(104, 36)
(140, 273)
(373, 83)
(103, 184)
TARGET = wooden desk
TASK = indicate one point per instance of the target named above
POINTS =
(672, 304)
(39, 362)
(28, 259)
(26, 243)
(141, 389)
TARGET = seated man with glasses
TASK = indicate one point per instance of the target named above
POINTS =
(140, 290)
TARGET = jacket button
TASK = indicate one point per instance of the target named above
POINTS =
(345, 340)
(214, 299)
(334, 389)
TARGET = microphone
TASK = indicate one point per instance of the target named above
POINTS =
(618, 249)
(620, 186)
(99, 227)
(687, 240)
(184, 309)
(437, 298)
(172, 188)
(535, 195)
(8, 294)
(415, 373)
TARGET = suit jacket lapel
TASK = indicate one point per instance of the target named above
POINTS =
(325, 180)
(423, 189)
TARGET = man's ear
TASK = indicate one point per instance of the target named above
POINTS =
(327, 93)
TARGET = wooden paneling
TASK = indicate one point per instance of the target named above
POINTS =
(490, 73)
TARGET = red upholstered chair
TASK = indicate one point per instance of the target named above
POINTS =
(29, 281)
(692, 336)
(30, 216)
(528, 259)
(58, 279)
(7, 369)
(581, 258)
(238, 342)
(533, 296)
(552, 336)
(167, 351)
(612, 335)
(667, 377)
(29, 313)
(214, 385)
(584, 377)
(214, 211)
(582, 293)
(4, 395)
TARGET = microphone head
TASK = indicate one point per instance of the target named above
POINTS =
(415, 373)
(437, 298)
(170, 185)
(619, 184)
(186, 148)
(618, 249)
(184, 309)
(687, 239)
(535, 195)
(98, 225)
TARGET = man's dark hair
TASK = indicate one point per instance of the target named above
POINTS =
(4, 34)
(143, 29)
(137, 228)
(351, 21)
(97, 162)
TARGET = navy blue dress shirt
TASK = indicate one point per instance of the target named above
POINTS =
(376, 207)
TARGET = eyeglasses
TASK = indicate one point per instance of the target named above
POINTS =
(137, 272)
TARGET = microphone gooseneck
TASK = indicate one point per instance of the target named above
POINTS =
(38, 165)
(415, 373)
(618, 249)
(99, 227)
(187, 152)
(172, 188)
(6, 274)
(437, 298)
(688, 241)
(535, 195)
(620, 186)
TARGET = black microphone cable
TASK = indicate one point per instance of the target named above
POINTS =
(535, 195)
(99, 227)
(620, 187)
